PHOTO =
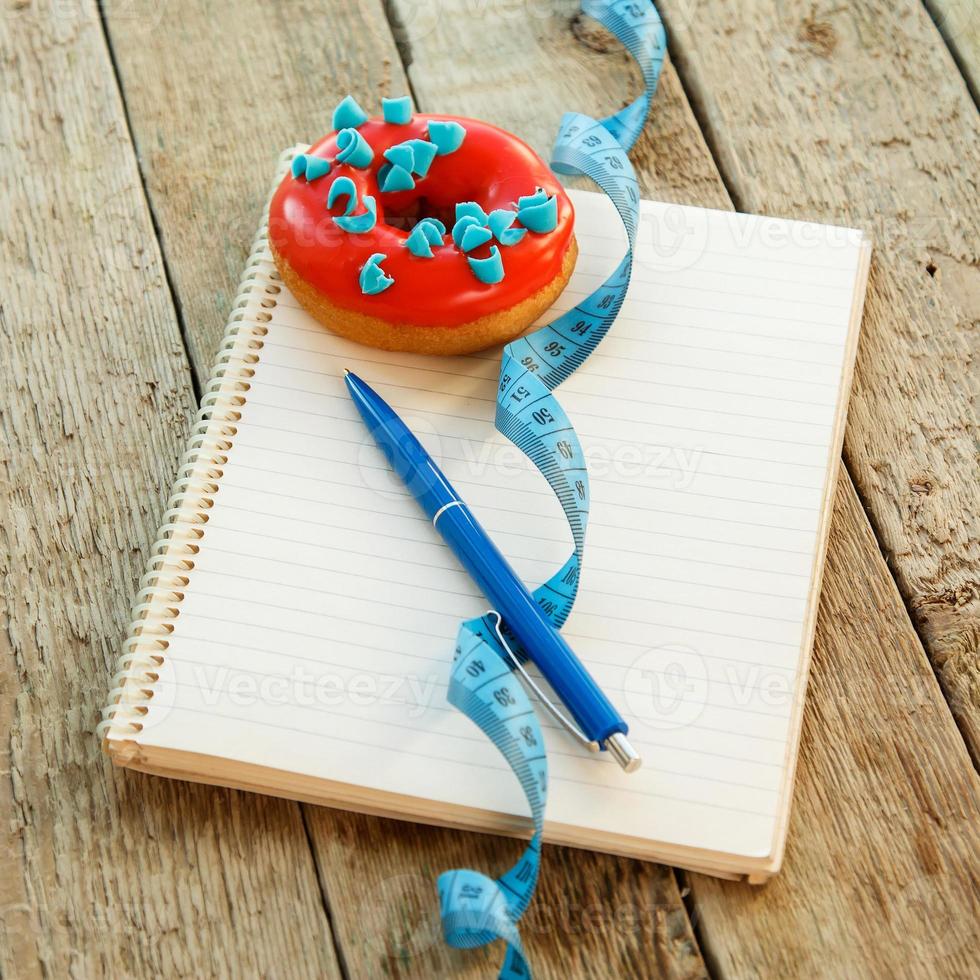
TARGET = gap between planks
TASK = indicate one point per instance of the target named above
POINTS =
(197, 383)
(958, 23)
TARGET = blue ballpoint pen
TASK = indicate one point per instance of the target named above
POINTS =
(601, 724)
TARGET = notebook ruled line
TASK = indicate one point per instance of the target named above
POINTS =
(545, 492)
(612, 442)
(431, 587)
(617, 549)
(408, 409)
(570, 634)
(507, 510)
(442, 686)
(514, 554)
(626, 402)
(780, 260)
(572, 292)
(740, 275)
(451, 568)
(639, 738)
(592, 760)
(639, 278)
(553, 727)
(415, 752)
(461, 459)
(570, 385)
(598, 357)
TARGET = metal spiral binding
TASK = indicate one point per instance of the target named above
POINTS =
(211, 440)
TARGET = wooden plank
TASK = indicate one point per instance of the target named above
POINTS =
(858, 116)
(103, 872)
(887, 801)
(207, 170)
(959, 23)
(593, 915)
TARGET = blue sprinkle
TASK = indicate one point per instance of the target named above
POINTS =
(473, 237)
(511, 236)
(348, 114)
(437, 224)
(397, 110)
(425, 152)
(489, 270)
(341, 187)
(500, 222)
(353, 149)
(372, 279)
(540, 217)
(360, 223)
(316, 167)
(531, 200)
(465, 222)
(401, 155)
(423, 236)
(299, 165)
(418, 244)
(395, 178)
(471, 207)
(446, 134)
(500, 219)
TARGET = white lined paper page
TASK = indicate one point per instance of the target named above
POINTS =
(317, 630)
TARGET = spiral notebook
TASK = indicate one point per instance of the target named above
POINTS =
(295, 628)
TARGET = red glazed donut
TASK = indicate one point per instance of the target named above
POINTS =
(497, 256)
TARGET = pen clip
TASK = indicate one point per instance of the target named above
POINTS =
(568, 725)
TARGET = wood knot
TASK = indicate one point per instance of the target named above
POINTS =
(818, 35)
(955, 597)
(588, 33)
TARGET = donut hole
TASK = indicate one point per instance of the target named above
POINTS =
(410, 214)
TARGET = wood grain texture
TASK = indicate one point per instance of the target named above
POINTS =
(959, 23)
(206, 172)
(593, 915)
(215, 91)
(103, 872)
(857, 115)
(886, 812)
(523, 65)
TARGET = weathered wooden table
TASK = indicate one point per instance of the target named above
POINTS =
(137, 145)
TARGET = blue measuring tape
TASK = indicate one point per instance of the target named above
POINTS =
(477, 909)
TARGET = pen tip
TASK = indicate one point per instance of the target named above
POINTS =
(346, 372)
(620, 749)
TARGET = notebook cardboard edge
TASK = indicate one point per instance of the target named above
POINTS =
(200, 768)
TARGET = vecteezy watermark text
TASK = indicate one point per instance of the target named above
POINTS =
(302, 688)
(668, 466)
